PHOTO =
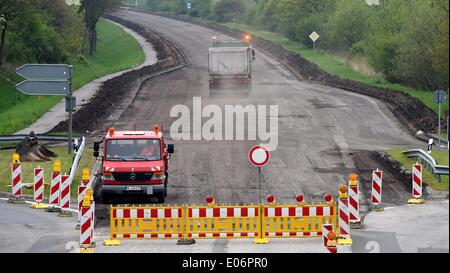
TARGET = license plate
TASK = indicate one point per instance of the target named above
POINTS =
(149, 190)
(133, 188)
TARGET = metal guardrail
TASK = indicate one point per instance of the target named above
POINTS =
(14, 138)
(428, 161)
(76, 160)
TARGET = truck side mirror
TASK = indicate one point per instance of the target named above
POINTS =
(170, 148)
(96, 149)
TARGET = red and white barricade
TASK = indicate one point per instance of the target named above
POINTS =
(38, 185)
(344, 217)
(87, 224)
(65, 196)
(377, 188)
(81, 193)
(417, 186)
(55, 186)
(353, 199)
(417, 181)
(16, 180)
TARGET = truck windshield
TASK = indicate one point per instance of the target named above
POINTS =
(133, 150)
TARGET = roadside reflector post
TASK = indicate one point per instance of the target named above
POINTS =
(38, 189)
(16, 181)
(344, 217)
(353, 201)
(55, 188)
(377, 191)
(64, 200)
(417, 187)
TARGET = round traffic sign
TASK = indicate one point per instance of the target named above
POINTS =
(259, 156)
(440, 96)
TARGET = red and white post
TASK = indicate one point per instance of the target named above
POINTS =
(344, 217)
(87, 225)
(55, 188)
(64, 201)
(353, 201)
(417, 180)
(16, 181)
(377, 190)
(38, 189)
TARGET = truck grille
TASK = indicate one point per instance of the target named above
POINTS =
(129, 176)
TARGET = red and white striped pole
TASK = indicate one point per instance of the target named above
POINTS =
(417, 170)
(55, 187)
(87, 225)
(64, 201)
(344, 217)
(377, 190)
(16, 181)
(353, 201)
(38, 189)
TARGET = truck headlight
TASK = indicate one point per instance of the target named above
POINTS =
(158, 176)
(107, 176)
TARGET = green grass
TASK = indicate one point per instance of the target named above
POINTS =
(440, 156)
(332, 65)
(116, 51)
(87, 161)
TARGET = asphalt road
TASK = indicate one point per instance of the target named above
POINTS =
(318, 127)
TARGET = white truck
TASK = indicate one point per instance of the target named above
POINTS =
(230, 65)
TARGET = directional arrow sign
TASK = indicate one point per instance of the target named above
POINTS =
(45, 71)
(44, 87)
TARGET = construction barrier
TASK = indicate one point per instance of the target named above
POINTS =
(353, 200)
(223, 222)
(344, 217)
(143, 222)
(38, 189)
(16, 177)
(297, 221)
(326, 228)
(377, 189)
(64, 199)
(219, 221)
(417, 170)
(55, 185)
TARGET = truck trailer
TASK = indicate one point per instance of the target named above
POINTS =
(230, 65)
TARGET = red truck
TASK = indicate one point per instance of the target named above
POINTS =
(134, 163)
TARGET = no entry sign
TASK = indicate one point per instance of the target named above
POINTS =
(258, 156)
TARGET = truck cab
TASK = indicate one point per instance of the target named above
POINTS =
(134, 163)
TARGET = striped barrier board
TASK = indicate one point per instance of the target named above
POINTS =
(222, 222)
(146, 222)
(16, 180)
(297, 221)
(417, 181)
(38, 186)
(55, 185)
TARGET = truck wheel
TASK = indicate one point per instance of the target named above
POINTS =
(161, 197)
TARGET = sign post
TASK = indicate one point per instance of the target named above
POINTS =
(48, 80)
(314, 36)
(259, 157)
(440, 96)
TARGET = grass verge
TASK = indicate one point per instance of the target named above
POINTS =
(332, 65)
(440, 156)
(116, 51)
(87, 161)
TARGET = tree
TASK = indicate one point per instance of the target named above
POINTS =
(92, 10)
(9, 9)
(229, 10)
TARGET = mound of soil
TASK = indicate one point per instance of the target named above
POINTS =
(96, 112)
